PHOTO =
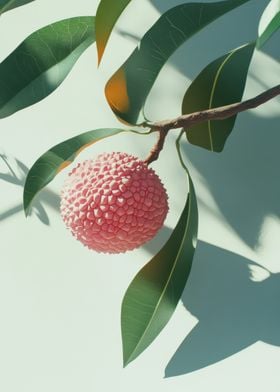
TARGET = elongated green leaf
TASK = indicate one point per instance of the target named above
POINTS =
(221, 83)
(270, 22)
(56, 159)
(129, 87)
(7, 5)
(155, 291)
(41, 63)
(108, 13)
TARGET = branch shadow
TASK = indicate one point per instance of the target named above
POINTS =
(17, 172)
(241, 179)
(233, 310)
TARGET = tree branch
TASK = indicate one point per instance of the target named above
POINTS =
(220, 113)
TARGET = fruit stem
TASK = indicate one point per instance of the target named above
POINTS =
(155, 151)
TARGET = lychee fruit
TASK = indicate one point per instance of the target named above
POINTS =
(113, 204)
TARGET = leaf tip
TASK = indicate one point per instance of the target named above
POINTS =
(26, 209)
(126, 361)
(100, 52)
(128, 355)
(26, 203)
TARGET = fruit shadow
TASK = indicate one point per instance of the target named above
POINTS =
(233, 310)
(17, 172)
(154, 246)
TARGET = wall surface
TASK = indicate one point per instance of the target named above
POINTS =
(60, 303)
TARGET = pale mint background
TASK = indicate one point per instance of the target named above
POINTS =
(60, 303)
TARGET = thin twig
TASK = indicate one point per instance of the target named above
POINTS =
(219, 113)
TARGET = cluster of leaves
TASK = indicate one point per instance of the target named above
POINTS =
(49, 55)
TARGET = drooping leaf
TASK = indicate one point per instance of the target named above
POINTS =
(41, 62)
(128, 88)
(269, 23)
(56, 159)
(221, 83)
(107, 14)
(154, 293)
(7, 5)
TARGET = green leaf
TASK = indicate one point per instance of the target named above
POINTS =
(56, 159)
(221, 83)
(7, 5)
(108, 13)
(154, 293)
(128, 88)
(269, 23)
(41, 62)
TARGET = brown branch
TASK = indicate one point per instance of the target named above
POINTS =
(220, 113)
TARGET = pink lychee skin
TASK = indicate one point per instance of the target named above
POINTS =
(113, 204)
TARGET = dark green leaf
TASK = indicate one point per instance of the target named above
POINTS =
(156, 290)
(56, 159)
(221, 83)
(41, 63)
(108, 13)
(7, 5)
(269, 23)
(129, 87)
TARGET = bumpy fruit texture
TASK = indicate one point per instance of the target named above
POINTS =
(113, 204)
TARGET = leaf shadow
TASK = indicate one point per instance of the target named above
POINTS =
(233, 310)
(241, 179)
(219, 37)
(17, 172)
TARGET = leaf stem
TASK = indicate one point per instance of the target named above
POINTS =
(178, 147)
